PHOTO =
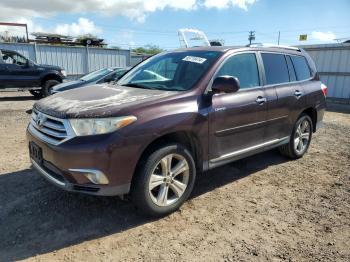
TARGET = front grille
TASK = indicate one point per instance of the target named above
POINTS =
(50, 129)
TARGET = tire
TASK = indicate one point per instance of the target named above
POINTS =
(167, 193)
(294, 149)
(46, 88)
(36, 93)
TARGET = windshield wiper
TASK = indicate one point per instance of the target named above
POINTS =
(136, 85)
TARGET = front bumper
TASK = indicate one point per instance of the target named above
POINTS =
(61, 164)
(62, 183)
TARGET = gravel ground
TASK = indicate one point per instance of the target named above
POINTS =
(257, 209)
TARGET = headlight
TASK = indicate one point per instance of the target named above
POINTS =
(63, 72)
(95, 126)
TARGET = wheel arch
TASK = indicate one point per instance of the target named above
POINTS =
(312, 113)
(185, 138)
(50, 76)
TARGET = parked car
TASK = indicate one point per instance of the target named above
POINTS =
(18, 72)
(104, 75)
(149, 136)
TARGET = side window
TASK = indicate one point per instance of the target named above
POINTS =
(19, 60)
(7, 58)
(12, 58)
(292, 76)
(276, 70)
(244, 67)
(301, 67)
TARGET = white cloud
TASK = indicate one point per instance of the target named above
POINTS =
(20, 31)
(221, 4)
(323, 36)
(136, 10)
(122, 38)
(25, 11)
(82, 27)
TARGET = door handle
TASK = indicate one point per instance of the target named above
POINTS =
(261, 100)
(298, 94)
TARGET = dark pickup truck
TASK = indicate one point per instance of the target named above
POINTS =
(20, 73)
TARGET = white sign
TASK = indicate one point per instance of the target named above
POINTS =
(194, 59)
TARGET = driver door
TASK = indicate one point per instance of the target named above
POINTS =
(237, 120)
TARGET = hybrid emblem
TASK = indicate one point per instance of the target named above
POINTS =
(40, 120)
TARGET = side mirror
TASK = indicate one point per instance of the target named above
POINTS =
(225, 84)
(29, 63)
(108, 79)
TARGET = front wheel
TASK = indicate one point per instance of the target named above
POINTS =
(46, 88)
(164, 181)
(300, 139)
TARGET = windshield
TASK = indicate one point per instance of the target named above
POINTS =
(96, 74)
(178, 71)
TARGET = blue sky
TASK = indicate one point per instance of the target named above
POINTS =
(137, 22)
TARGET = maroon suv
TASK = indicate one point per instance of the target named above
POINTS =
(173, 115)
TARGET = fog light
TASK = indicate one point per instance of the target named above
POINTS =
(95, 176)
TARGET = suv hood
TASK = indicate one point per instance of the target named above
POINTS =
(70, 85)
(97, 101)
(49, 67)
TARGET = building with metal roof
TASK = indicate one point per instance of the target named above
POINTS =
(333, 64)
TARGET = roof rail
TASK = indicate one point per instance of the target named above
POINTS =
(277, 46)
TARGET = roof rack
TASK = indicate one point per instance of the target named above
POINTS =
(197, 35)
(277, 46)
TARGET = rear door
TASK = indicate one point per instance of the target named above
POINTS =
(237, 119)
(284, 95)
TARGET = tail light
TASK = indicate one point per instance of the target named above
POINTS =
(324, 89)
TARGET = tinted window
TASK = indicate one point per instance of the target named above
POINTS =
(165, 68)
(13, 58)
(276, 70)
(244, 67)
(292, 76)
(96, 75)
(301, 67)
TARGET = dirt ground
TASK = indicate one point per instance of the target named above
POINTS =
(263, 208)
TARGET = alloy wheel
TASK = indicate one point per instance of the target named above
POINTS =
(169, 180)
(302, 136)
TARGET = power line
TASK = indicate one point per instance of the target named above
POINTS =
(167, 32)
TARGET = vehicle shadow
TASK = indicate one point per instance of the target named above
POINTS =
(17, 98)
(38, 218)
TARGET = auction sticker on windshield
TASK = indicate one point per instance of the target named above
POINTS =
(194, 59)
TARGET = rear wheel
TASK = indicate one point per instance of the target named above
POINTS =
(300, 138)
(46, 88)
(164, 180)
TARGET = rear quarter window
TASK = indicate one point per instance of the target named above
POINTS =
(292, 75)
(276, 70)
(301, 67)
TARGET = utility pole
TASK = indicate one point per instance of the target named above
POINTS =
(251, 37)
(279, 37)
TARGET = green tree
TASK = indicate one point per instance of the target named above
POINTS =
(148, 49)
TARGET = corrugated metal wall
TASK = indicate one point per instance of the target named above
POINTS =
(137, 58)
(76, 60)
(333, 64)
